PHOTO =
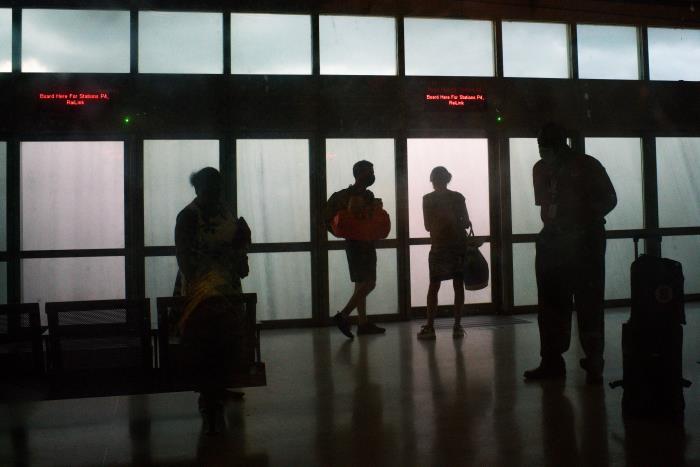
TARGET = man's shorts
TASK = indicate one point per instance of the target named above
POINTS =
(362, 260)
(445, 264)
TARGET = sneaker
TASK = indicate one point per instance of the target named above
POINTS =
(594, 373)
(546, 371)
(426, 332)
(458, 331)
(369, 328)
(343, 324)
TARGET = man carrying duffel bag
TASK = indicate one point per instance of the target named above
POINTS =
(361, 253)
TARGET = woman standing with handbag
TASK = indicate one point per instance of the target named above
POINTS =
(446, 218)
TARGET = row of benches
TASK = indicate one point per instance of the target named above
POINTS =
(104, 348)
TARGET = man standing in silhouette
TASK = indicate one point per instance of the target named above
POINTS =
(362, 255)
(574, 194)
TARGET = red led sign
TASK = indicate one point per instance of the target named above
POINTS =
(454, 98)
(74, 99)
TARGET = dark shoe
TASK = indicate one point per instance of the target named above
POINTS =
(213, 419)
(546, 371)
(369, 328)
(343, 324)
(594, 373)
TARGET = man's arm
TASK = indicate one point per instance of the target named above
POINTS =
(463, 214)
(603, 196)
(185, 242)
(427, 215)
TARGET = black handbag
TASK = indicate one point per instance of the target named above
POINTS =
(476, 269)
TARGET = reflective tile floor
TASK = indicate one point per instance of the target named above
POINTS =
(377, 400)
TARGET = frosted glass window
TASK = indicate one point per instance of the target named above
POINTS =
(420, 279)
(607, 52)
(3, 196)
(72, 195)
(283, 284)
(75, 41)
(341, 155)
(524, 154)
(3, 283)
(181, 42)
(524, 279)
(448, 47)
(468, 162)
(5, 40)
(674, 54)
(270, 44)
(618, 259)
(535, 50)
(382, 300)
(357, 45)
(161, 272)
(66, 279)
(622, 159)
(167, 166)
(678, 170)
(273, 188)
(686, 249)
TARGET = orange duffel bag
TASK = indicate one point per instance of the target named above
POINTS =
(369, 224)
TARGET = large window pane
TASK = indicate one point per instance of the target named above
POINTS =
(3, 196)
(535, 50)
(161, 272)
(524, 281)
(622, 159)
(524, 154)
(674, 54)
(75, 41)
(685, 249)
(383, 299)
(167, 166)
(5, 39)
(618, 259)
(283, 284)
(270, 44)
(357, 45)
(181, 42)
(273, 188)
(420, 280)
(66, 279)
(448, 47)
(72, 195)
(607, 52)
(678, 170)
(341, 155)
(467, 161)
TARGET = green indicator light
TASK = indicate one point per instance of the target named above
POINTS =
(127, 119)
(499, 119)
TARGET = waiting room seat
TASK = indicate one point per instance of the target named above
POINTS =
(21, 352)
(99, 348)
(170, 351)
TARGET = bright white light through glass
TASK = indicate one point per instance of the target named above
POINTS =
(674, 54)
(678, 172)
(5, 40)
(72, 195)
(75, 41)
(535, 50)
(270, 44)
(622, 159)
(167, 166)
(273, 188)
(607, 52)
(181, 42)
(467, 161)
(448, 47)
(357, 45)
